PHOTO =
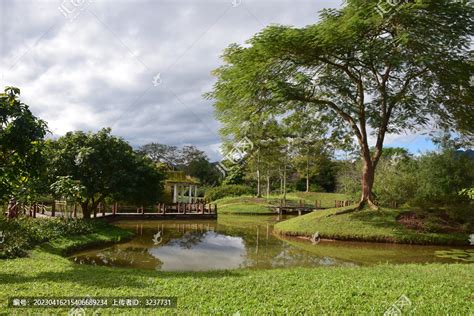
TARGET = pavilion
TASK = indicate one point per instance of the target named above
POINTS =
(182, 188)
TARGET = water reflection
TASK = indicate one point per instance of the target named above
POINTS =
(240, 242)
(201, 251)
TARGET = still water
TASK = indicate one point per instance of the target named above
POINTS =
(234, 242)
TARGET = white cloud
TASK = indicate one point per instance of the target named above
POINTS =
(97, 70)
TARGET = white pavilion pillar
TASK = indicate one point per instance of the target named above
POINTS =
(190, 193)
(195, 193)
(175, 193)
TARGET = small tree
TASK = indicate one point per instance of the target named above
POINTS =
(104, 166)
(21, 139)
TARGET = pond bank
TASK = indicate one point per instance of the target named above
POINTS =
(432, 288)
(365, 225)
(237, 242)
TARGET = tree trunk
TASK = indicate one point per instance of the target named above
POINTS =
(86, 210)
(284, 184)
(259, 194)
(281, 180)
(368, 176)
(268, 186)
(12, 209)
(307, 174)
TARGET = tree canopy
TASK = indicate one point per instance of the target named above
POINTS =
(357, 74)
(190, 159)
(104, 166)
(21, 138)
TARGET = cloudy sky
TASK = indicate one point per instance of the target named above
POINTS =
(137, 66)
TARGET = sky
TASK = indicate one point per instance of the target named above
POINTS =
(139, 67)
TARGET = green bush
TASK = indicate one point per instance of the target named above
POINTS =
(223, 191)
(444, 178)
(21, 234)
(435, 179)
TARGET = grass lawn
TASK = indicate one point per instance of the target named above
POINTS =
(253, 205)
(327, 199)
(433, 289)
(243, 205)
(365, 225)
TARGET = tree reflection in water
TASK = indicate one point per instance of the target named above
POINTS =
(239, 242)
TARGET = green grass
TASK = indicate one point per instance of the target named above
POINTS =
(252, 205)
(104, 235)
(433, 289)
(327, 199)
(365, 225)
(243, 205)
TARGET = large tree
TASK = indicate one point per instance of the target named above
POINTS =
(161, 153)
(21, 138)
(360, 74)
(104, 166)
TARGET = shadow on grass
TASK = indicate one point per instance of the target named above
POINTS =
(105, 277)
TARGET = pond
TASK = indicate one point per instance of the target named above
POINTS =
(241, 241)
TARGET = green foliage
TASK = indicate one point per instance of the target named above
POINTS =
(222, 191)
(104, 166)
(161, 153)
(234, 175)
(203, 170)
(68, 189)
(443, 177)
(24, 233)
(354, 71)
(349, 178)
(189, 159)
(21, 136)
(323, 178)
(395, 181)
(432, 179)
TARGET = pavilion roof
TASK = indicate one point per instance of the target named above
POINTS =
(179, 177)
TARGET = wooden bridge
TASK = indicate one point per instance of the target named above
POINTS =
(197, 210)
(165, 211)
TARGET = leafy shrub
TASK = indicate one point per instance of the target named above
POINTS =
(436, 179)
(444, 178)
(21, 234)
(223, 191)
